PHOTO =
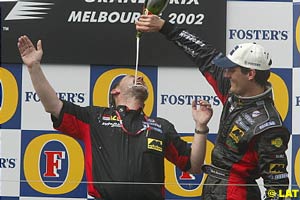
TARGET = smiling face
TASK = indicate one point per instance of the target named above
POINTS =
(240, 83)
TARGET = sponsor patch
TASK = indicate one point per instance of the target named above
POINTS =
(278, 176)
(155, 144)
(234, 138)
(267, 124)
(242, 124)
(276, 168)
(277, 142)
(248, 118)
(111, 124)
(256, 113)
(236, 134)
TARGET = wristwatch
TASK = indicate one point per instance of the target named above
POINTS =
(204, 132)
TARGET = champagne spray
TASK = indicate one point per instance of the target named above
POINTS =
(150, 7)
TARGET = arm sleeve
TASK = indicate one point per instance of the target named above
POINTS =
(177, 150)
(73, 120)
(272, 146)
(202, 54)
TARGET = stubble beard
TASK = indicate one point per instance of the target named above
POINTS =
(140, 92)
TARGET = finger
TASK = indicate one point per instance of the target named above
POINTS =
(21, 41)
(205, 103)
(27, 42)
(141, 28)
(144, 18)
(21, 44)
(194, 105)
(39, 45)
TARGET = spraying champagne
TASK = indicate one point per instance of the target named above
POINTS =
(151, 7)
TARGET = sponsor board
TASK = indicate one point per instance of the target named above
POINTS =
(296, 101)
(10, 161)
(1, 35)
(281, 80)
(71, 83)
(106, 29)
(52, 165)
(178, 90)
(264, 26)
(296, 23)
(171, 89)
(10, 95)
(181, 185)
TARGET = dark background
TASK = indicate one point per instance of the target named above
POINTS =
(105, 43)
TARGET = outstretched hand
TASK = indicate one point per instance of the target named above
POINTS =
(30, 55)
(202, 113)
(149, 23)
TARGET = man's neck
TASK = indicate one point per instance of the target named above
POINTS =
(131, 104)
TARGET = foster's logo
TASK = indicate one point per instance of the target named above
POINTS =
(53, 164)
(10, 80)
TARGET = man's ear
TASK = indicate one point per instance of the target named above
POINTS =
(251, 74)
(115, 91)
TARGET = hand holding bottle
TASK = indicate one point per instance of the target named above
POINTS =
(149, 23)
(152, 8)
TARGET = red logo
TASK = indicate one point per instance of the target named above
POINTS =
(53, 162)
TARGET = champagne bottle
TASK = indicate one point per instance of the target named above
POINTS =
(153, 7)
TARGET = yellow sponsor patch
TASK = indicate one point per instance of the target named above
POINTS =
(276, 168)
(277, 142)
(155, 144)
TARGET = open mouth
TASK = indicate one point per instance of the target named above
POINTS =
(138, 83)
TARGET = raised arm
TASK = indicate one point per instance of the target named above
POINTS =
(202, 113)
(31, 57)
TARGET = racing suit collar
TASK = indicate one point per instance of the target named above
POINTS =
(268, 93)
(123, 110)
(131, 121)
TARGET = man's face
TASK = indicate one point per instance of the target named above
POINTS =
(137, 88)
(239, 81)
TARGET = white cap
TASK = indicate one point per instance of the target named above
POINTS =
(248, 55)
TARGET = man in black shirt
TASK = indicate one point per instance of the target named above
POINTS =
(124, 148)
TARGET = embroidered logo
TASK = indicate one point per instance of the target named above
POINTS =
(155, 144)
(277, 142)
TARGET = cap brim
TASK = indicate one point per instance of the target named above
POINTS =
(224, 62)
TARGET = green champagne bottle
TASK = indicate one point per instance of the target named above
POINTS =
(153, 7)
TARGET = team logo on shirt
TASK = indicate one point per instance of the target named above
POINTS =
(276, 168)
(277, 142)
(155, 144)
(256, 113)
(109, 120)
(153, 125)
(106, 117)
(234, 138)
